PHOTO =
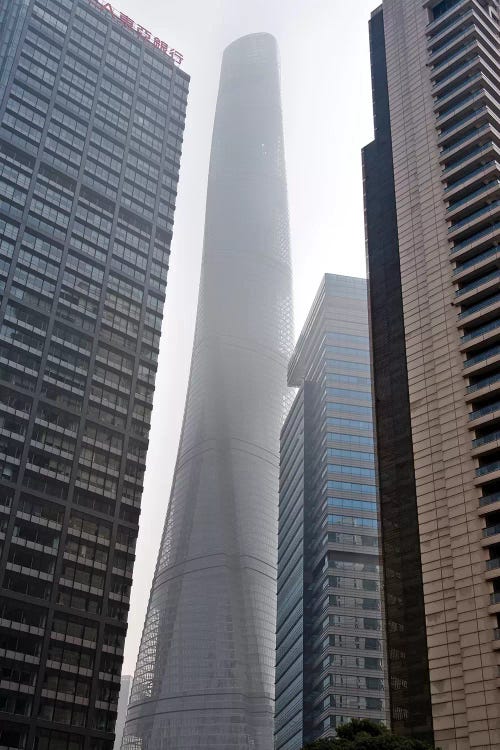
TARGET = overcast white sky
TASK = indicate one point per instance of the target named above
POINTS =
(327, 112)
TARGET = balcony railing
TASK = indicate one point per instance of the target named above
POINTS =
(476, 215)
(474, 153)
(480, 305)
(477, 283)
(477, 236)
(446, 35)
(483, 383)
(469, 136)
(456, 71)
(491, 531)
(480, 331)
(476, 260)
(475, 194)
(490, 409)
(489, 468)
(495, 597)
(448, 42)
(461, 86)
(445, 20)
(457, 107)
(493, 565)
(489, 499)
(449, 60)
(485, 439)
(462, 123)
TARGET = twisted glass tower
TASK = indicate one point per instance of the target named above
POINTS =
(205, 671)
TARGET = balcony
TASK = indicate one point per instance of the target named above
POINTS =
(490, 257)
(467, 122)
(461, 88)
(449, 28)
(470, 158)
(491, 383)
(478, 283)
(481, 331)
(486, 443)
(490, 531)
(448, 18)
(457, 41)
(469, 139)
(460, 107)
(468, 181)
(457, 74)
(489, 503)
(487, 236)
(488, 469)
(485, 411)
(488, 212)
(442, 66)
(488, 305)
(487, 473)
(462, 205)
(493, 566)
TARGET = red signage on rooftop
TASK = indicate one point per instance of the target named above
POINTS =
(130, 24)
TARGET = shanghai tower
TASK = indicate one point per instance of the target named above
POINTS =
(205, 672)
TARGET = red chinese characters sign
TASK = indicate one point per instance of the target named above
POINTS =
(130, 24)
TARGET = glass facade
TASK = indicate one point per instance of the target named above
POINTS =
(330, 655)
(205, 671)
(89, 163)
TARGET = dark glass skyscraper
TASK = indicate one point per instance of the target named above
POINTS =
(329, 651)
(91, 122)
(205, 671)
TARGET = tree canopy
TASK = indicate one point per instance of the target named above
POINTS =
(363, 734)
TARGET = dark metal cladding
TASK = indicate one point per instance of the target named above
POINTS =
(205, 671)
(408, 687)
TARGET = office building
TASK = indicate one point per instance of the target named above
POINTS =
(91, 121)
(329, 651)
(432, 189)
(126, 684)
(205, 671)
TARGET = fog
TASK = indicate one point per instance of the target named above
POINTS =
(327, 114)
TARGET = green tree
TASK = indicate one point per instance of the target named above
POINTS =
(363, 734)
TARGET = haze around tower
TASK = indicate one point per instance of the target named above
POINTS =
(327, 118)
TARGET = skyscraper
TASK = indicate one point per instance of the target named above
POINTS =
(125, 685)
(432, 188)
(91, 120)
(205, 670)
(329, 651)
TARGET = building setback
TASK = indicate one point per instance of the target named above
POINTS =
(205, 670)
(329, 658)
(432, 199)
(91, 122)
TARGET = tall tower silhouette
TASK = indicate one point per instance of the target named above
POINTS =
(205, 671)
